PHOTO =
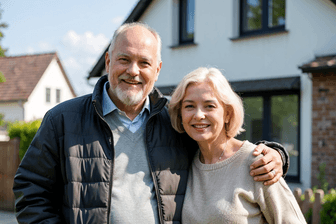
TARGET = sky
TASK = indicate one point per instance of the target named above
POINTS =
(78, 30)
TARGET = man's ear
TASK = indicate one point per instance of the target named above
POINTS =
(107, 62)
(158, 69)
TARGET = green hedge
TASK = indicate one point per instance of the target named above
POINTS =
(328, 212)
(25, 131)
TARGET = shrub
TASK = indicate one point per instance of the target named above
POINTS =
(328, 212)
(25, 131)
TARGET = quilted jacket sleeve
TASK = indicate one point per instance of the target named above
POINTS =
(38, 182)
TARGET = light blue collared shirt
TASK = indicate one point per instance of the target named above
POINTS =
(111, 111)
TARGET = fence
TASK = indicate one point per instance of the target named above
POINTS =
(306, 204)
(9, 162)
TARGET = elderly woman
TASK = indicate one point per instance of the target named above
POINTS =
(220, 189)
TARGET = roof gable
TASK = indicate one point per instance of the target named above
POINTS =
(134, 16)
(22, 74)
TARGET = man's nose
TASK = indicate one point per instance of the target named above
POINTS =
(133, 69)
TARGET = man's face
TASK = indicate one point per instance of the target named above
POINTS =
(133, 67)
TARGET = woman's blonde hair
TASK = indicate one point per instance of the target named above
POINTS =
(222, 90)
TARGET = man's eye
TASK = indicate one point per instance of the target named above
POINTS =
(188, 106)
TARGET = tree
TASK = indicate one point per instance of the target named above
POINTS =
(2, 26)
(2, 77)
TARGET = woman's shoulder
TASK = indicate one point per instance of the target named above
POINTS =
(247, 149)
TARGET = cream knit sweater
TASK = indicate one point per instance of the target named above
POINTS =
(226, 193)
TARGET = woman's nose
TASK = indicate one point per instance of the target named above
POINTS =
(199, 114)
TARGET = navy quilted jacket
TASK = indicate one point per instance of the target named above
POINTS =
(66, 174)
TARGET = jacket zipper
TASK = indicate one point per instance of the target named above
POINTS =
(160, 209)
(112, 168)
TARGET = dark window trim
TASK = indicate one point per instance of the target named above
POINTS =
(182, 18)
(184, 44)
(259, 33)
(266, 95)
(264, 27)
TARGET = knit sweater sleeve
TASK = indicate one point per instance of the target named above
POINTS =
(277, 203)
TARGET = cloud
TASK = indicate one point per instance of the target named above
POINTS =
(80, 52)
(85, 43)
(30, 50)
(117, 20)
(72, 63)
(44, 46)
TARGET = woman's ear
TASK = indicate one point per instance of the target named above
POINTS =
(228, 113)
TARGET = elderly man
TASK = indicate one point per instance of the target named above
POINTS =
(112, 156)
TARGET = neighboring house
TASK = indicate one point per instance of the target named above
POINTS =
(34, 84)
(264, 48)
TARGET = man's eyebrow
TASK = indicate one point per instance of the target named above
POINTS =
(122, 55)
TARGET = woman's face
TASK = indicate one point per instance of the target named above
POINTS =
(202, 114)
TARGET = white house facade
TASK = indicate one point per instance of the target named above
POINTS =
(52, 79)
(44, 85)
(260, 54)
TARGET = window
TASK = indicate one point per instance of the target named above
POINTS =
(273, 117)
(187, 13)
(58, 95)
(48, 95)
(262, 16)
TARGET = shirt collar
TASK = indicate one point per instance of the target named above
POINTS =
(109, 106)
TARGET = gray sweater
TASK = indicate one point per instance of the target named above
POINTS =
(225, 192)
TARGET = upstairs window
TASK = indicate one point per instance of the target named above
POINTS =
(58, 95)
(262, 16)
(187, 22)
(48, 95)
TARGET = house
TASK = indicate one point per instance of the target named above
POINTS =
(278, 55)
(34, 84)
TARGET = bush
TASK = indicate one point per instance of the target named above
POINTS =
(328, 212)
(25, 131)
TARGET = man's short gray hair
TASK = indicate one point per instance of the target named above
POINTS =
(126, 26)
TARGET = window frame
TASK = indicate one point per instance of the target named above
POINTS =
(267, 122)
(58, 95)
(183, 14)
(264, 25)
(48, 95)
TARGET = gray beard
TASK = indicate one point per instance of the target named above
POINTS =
(128, 100)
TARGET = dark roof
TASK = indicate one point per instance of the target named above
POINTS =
(134, 16)
(320, 64)
(22, 74)
(252, 86)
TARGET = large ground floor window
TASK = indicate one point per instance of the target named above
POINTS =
(274, 116)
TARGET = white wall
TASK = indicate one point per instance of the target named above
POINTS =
(311, 32)
(52, 78)
(13, 111)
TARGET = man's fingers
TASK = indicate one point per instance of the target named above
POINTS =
(260, 149)
(263, 170)
(261, 162)
(274, 180)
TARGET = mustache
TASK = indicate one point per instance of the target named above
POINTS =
(129, 77)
